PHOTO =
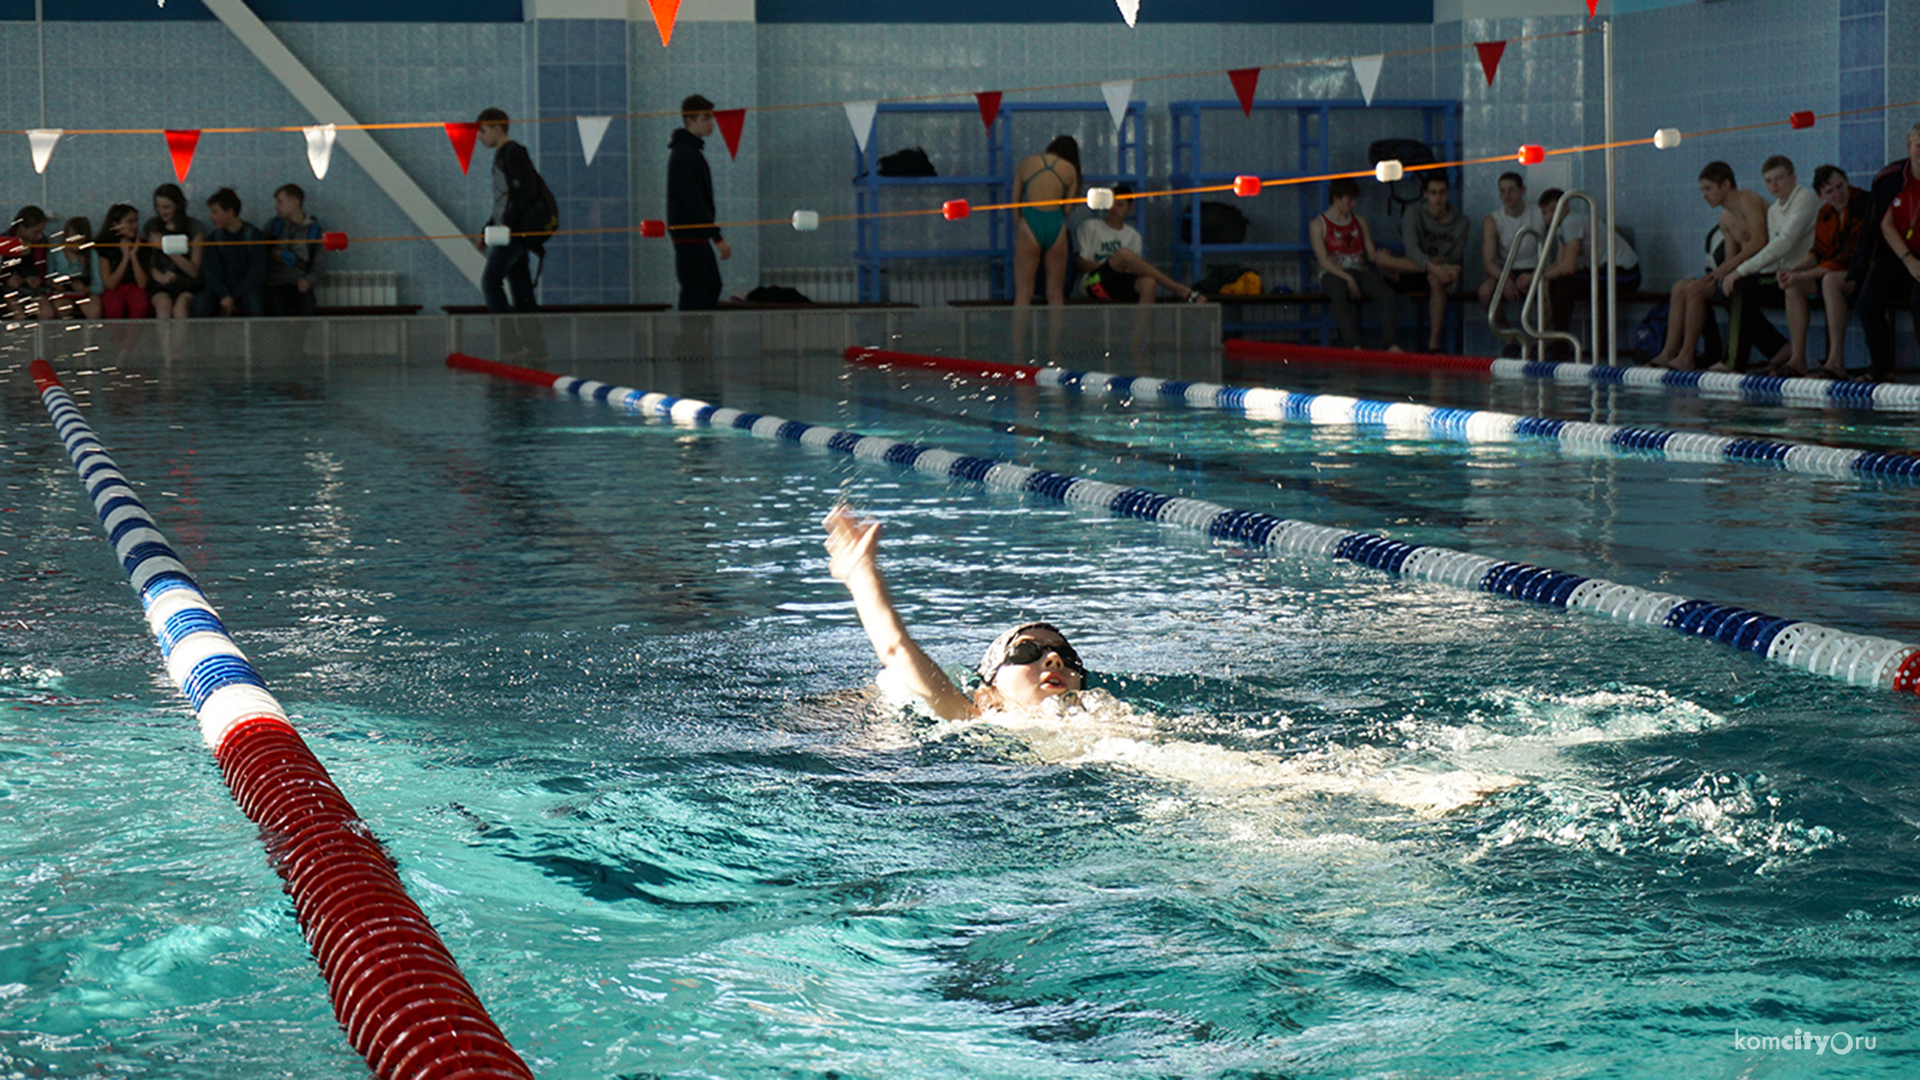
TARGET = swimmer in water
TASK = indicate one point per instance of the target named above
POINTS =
(1023, 668)
(1032, 683)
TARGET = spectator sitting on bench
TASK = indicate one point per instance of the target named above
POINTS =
(1743, 227)
(1754, 284)
(1498, 234)
(1836, 235)
(235, 267)
(1350, 266)
(1435, 236)
(1569, 277)
(1109, 255)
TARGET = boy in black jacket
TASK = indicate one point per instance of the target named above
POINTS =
(235, 268)
(516, 186)
(690, 203)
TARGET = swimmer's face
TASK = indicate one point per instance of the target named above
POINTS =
(1048, 674)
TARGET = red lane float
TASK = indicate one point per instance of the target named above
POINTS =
(1269, 351)
(544, 379)
(394, 986)
(951, 365)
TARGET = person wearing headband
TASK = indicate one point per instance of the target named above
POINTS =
(1024, 666)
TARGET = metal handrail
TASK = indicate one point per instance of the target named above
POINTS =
(1500, 291)
(1533, 302)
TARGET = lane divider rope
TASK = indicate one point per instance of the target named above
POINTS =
(1857, 658)
(1410, 418)
(394, 986)
(1755, 389)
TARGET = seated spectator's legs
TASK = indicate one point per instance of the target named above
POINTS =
(126, 301)
(205, 305)
(1799, 318)
(1127, 262)
(1440, 282)
(1749, 328)
(1345, 314)
(1381, 293)
(288, 300)
(1836, 292)
(1688, 317)
(1887, 288)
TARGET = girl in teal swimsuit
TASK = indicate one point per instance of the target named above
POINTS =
(1041, 232)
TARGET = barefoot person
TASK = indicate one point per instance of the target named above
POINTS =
(1743, 226)
(1823, 273)
(1040, 232)
(1435, 236)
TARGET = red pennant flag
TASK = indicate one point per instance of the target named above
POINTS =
(1244, 80)
(1592, 6)
(729, 121)
(989, 106)
(664, 14)
(180, 144)
(462, 135)
(1490, 54)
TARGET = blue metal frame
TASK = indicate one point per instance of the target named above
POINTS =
(1440, 131)
(870, 252)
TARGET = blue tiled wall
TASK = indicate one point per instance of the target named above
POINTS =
(582, 71)
(1863, 84)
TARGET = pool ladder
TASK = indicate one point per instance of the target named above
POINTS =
(1533, 334)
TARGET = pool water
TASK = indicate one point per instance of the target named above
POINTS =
(588, 678)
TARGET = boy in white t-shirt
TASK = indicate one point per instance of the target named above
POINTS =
(1107, 250)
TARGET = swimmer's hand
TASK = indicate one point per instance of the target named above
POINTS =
(850, 543)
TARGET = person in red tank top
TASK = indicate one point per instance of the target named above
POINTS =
(1350, 267)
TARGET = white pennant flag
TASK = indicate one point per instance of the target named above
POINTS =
(1367, 70)
(320, 148)
(1129, 10)
(1118, 93)
(42, 140)
(592, 130)
(860, 115)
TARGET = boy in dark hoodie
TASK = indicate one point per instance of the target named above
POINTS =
(516, 186)
(235, 270)
(690, 214)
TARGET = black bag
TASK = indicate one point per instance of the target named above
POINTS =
(777, 294)
(912, 161)
(1219, 278)
(1220, 223)
(542, 215)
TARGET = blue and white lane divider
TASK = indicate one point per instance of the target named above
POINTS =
(1480, 425)
(1858, 658)
(1813, 393)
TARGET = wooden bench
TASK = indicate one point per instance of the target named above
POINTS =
(560, 309)
(367, 309)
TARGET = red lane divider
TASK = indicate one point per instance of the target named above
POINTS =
(1322, 354)
(529, 376)
(978, 369)
(394, 986)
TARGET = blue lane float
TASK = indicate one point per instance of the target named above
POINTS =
(1859, 659)
(1760, 389)
(1481, 425)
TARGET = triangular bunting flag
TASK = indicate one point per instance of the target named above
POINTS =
(320, 148)
(1129, 10)
(664, 14)
(1244, 81)
(1592, 6)
(180, 144)
(1367, 70)
(730, 122)
(462, 134)
(592, 130)
(1490, 54)
(1119, 93)
(989, 108)
(41, 140)
(860, 117)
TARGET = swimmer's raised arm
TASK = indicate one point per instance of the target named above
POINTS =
(850, 545)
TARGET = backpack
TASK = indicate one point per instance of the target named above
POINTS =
(1220, 223)
(777, 294)
(1405, 191)
(912, 161)
(1650, 333)
(541, 216)
(1218, 278)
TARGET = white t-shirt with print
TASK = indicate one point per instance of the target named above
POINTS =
(1097, 240)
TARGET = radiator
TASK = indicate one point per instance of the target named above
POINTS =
(358, 288)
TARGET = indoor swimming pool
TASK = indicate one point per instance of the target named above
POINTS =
(586, 675)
